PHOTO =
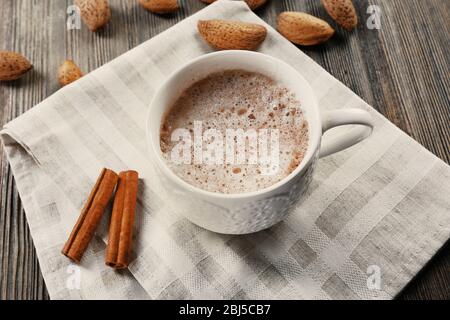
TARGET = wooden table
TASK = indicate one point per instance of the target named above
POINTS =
(402, 70)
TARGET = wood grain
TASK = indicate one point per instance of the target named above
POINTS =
(402, 70)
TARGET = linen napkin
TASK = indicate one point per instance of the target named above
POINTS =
(374, 215)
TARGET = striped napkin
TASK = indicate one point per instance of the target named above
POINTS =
(374, 215)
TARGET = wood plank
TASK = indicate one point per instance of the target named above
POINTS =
(401, 70)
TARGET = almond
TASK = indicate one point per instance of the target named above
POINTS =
(68, 72)
(13, 65)
(232, 35)
(95, 13)
(343, 12)
(303, 29)
(160, 6)
(253, 4)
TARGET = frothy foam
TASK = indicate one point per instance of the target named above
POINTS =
(244, 100)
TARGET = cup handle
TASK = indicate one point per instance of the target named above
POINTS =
(332, 119)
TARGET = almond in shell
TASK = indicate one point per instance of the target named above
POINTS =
(232, 35)
(253, 4)
(95, 13)
(343, 12)
(13, 65)
(304, 29)
(160, 6)
(68, 72)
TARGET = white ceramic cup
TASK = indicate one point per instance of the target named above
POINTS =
(253, 211)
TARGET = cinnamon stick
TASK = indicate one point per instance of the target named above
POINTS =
(122, 221)
(91, 215)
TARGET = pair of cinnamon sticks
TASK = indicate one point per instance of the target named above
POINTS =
(122, 218)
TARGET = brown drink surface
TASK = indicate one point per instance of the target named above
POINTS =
(236, 99)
